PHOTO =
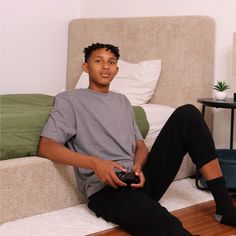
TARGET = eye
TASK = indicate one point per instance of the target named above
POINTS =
(98, 61)
(112, 62)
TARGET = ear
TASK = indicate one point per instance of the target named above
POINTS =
(117, 69)
(85, 67)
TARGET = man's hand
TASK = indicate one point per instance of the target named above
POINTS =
(104, 169)
(138, 172)
(140, 159)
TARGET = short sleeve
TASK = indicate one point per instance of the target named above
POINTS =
(61, 124)
(137, 133)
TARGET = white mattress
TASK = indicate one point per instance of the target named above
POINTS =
(157, 115)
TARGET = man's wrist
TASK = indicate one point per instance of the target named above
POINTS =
(138, 166)
(93, 162)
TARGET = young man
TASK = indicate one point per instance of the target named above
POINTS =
(99, 128)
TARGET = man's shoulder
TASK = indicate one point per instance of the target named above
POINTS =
(71, 96)
(70, 93)
(120, 96)
(113, 93)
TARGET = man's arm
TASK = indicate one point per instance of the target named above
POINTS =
(141, 154)
(57, 152)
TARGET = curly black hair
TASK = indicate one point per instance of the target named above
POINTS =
(88, 51)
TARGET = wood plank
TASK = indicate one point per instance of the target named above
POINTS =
(198, 219)
(117, 231)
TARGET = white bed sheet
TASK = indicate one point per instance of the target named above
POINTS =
(157, 115)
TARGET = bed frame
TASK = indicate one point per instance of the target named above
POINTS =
(185, 44)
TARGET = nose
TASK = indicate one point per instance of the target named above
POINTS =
(105, 65)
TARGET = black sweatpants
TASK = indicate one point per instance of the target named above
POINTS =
(138, 211)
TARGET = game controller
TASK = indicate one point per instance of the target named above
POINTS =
(128, 177)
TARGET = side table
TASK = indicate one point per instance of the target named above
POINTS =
(228, 103)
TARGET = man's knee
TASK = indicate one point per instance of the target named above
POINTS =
(188, 112)
(187, 109)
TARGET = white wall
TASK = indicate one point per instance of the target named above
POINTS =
(34, 44)
(34, 40)
(224, 13)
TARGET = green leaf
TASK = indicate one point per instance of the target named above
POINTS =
(221, 86)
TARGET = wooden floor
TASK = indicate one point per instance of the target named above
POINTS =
(197, 219)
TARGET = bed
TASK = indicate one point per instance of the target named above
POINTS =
(185, 46)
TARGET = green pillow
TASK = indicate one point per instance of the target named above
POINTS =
(141, 120)
(22, 118)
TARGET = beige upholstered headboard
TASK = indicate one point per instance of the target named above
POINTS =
(185, 44)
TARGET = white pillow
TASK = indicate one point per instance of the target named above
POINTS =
(157, 115)
(136, 81)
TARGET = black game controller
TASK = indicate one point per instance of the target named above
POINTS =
(128, 177)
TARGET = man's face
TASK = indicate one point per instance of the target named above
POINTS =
(102, 67)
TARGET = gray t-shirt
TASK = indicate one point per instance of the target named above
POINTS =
(97, 124)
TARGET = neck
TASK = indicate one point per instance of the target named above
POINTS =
(99, 89)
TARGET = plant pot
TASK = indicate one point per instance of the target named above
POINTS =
(220, 95)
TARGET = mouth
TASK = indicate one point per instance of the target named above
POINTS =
(105, 75)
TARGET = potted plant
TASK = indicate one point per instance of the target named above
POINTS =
(221, 88)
